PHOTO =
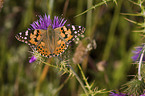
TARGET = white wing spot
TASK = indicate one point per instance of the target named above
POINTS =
(25, 38)
(82, 36)
(26, 33)
(76, 42)
(77, 39)
(75, 32)
(73, 27)
(20, 33)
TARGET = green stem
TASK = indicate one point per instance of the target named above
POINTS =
(49, 64)
(79, 80)
(139, 67)
(89, 18)
(113, 27)
(85, 79)
(50, 7)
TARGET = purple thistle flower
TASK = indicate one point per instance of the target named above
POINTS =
(142, 95)
(116, 94)
(137, 53)
(32, 59)
(43, 23)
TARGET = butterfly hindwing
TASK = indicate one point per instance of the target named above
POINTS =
(51, 45)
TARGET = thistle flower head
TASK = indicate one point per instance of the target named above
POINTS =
(43, 23)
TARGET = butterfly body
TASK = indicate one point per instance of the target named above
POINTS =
(50, 42)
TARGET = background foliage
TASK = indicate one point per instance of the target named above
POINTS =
(108, 66)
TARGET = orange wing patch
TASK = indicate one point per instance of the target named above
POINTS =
(43, 50)
(69, 36)
(32, 39)
(66, 34)
(35, 35)
(39, 37)
(61, 48)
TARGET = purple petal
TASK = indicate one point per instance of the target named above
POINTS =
(137, 53)
(32, 59)
(62, 22)
(116, 94)
(143, 94)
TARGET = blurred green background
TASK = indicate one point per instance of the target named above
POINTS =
(108, 66)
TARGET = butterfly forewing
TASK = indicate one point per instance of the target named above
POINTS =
(25, 37)
(76, 30)
(69, 32)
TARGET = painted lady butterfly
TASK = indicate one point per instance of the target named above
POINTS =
(50, 42)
